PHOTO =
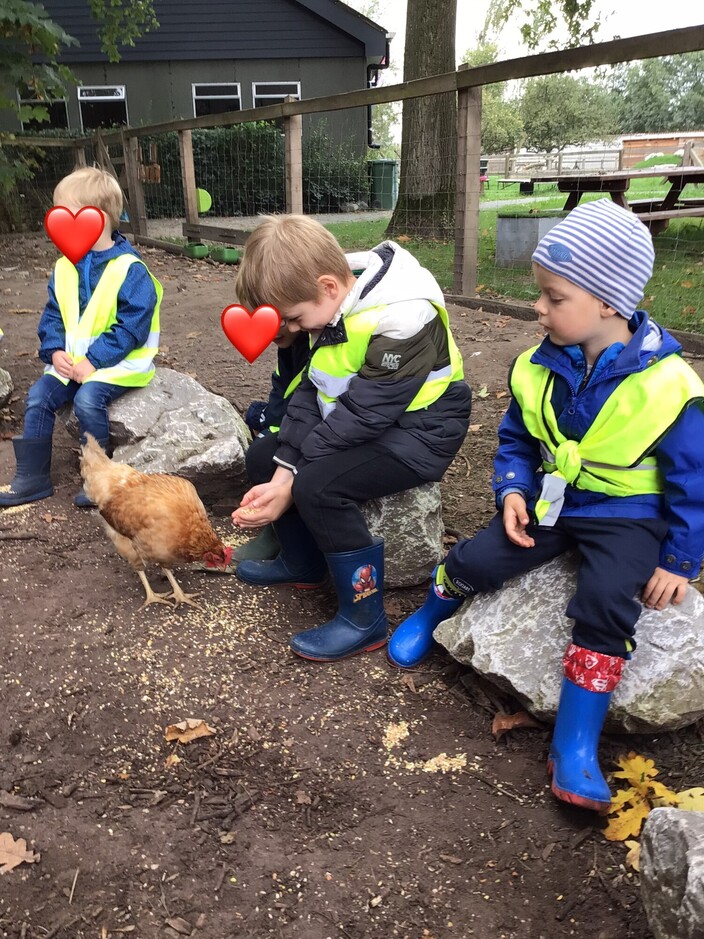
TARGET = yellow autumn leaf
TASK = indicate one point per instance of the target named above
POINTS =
(633, 856)
(636, 768)
(622, 797)
(691, 799)
(627, 822)
(661, 794)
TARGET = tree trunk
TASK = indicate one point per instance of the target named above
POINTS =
(426, 197)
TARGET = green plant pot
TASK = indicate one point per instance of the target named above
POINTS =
(196, 251)
(225, 255)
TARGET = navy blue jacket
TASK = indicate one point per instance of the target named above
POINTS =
(576, 401)
(135, 308)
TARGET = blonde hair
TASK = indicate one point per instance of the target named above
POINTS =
(91, 186)
(283, 259)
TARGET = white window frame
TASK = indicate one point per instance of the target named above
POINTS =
(35, 102)
(88, 98)
(195, 97)
(261, 99)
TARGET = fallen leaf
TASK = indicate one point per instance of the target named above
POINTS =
(692, 800)
(228, 837)
(502, 723)
(482, 393)
(194, 335)
(407, 680)
(302, 797)
(627, 821)
(172, 760)
(14, 852)
(49, 518)
(450, 859)
(179, 925)
(501, 394)
(687, 284)
(633, 856)
(404, 239)
(188, 730)
(475, 427)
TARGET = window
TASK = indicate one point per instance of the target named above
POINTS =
(58, 112)
(216, 99)
(102, 106)
(264, 93)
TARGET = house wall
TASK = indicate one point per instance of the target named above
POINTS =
(161, 91)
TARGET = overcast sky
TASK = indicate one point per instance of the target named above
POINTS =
(631, 18)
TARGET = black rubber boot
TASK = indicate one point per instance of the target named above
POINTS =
(33, 474)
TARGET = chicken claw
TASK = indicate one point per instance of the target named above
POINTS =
(178, 594)
(151, 595)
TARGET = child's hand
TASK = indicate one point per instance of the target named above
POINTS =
(62, 362)
(663, 588)
(516, 520)
(263, 504)
(81, 370)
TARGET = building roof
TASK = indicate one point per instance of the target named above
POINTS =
(231, 29)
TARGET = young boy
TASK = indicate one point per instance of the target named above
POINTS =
(383, 407)
(601, 449)
(98, 336)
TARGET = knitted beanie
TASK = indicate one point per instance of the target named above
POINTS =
(604, 249)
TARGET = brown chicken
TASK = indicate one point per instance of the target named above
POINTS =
(151, 519)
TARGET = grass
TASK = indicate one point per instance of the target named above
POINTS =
(675, 294)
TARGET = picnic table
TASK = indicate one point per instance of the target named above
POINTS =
(655, 212)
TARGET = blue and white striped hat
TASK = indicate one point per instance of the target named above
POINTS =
(604, 249)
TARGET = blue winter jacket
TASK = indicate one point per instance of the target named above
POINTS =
(576, 401)
(135, 308)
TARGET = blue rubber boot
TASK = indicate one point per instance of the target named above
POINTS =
(33, 474)
(589, 682)
(360, 624)
(573, 762)
(299, 563)
(413, 638)
(81, 499)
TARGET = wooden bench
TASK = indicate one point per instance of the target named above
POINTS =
(659, 220)
(525, 185)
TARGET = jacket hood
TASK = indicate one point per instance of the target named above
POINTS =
(389, 274)
(97, 259)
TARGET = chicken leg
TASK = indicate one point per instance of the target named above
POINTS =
(178, 595)
(152, 597)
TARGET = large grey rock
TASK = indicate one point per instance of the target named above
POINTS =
(411, 525)
(6, 387)
(516, 637)
(174, 425)
(672, 873)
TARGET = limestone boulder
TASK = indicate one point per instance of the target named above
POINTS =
(516, 638)
(6, 387)
(411, 525)
(672, 873)
(175, 425)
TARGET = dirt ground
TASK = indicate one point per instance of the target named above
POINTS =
(307, 814)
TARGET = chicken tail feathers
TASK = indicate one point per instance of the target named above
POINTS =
(98, 471)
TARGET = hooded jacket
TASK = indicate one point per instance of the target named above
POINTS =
(576, 399)
(135, 307)
(409, 342)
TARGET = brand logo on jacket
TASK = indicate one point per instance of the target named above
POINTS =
(390, 360)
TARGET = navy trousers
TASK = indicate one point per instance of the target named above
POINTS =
(618, 557)
(327, 492)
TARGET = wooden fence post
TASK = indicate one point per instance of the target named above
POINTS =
(79, 156)
(469, 149)
(293, 156)
(137, 208)
(188, 178)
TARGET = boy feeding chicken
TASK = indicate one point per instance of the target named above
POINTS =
(99, 333)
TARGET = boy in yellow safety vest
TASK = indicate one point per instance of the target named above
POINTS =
(601, 449)
(382, 407)
(99, 333)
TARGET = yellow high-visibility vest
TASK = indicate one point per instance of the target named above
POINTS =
(137, 367)
(612, 457)
(332, 368)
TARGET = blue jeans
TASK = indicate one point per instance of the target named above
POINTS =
(90, 405)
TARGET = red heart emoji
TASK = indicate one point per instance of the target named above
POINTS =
(74, 235)
(250, 333)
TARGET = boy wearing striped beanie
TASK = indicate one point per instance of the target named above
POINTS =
(602, 450)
